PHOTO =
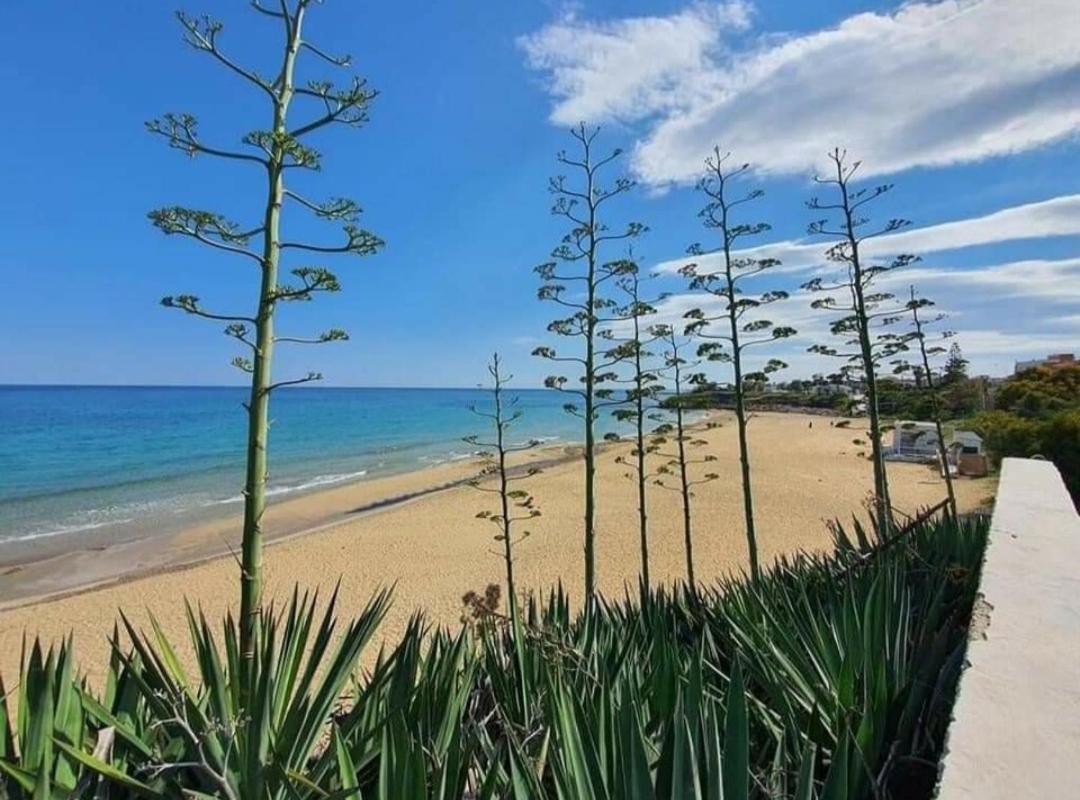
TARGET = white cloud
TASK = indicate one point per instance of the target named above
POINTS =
(1058, 216)
(630, 68)
(1011, 310)
(983, 343)
(928, 84)
(1052, 282)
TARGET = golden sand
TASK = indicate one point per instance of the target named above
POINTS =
(434, 549)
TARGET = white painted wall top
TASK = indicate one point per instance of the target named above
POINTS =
(1016, 724)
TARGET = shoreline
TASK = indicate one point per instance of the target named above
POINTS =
(192, 545)
(41, 547)
(419, 533)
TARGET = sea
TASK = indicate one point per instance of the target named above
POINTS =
(76, 460)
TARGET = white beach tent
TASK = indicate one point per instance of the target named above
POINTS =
(913, 441)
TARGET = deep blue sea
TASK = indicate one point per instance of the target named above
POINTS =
(80, 459)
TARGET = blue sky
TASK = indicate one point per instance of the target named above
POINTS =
(971, 108)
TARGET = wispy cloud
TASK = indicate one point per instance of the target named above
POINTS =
(629, 68)
(1011, 310)
(929, 84)
(1015, 344)
(1052, 282)
(1066, 321)
(1058, 216)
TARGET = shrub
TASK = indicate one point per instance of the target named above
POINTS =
(1060, 442)
(830, 677)
(1040, 392)
(1007, 435)
(1056, 438)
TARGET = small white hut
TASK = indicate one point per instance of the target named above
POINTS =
(913, 441)
(967, 442)
(966, 455)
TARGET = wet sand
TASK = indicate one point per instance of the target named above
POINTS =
(419, 531)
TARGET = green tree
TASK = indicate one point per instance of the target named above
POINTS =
(1060, 440)
(955, 366)
(673, 440)
(1040, 391)
(863, 328)
(925, 373)
(577, 264)
(1037, 414)
(961, 396)
(730, 332)
(276, 151)
(515, 505)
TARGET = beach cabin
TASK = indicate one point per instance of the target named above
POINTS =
(913, 441)
(966, 454)
(966, 442)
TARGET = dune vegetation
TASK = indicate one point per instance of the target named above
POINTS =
(828, 677)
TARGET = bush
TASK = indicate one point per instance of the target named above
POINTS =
(1056, 438)
(1060, 442)
(1007, 435)
(1040, 392)
(830, 677)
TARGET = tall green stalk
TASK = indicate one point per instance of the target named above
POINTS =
(640, 445)
(641, 400)
(736, 333)
(276, 150)
(882, 506)
(680, 461)
(866, 319)
(918, 323)
(515, 505)
(580, 254)
(251, 572)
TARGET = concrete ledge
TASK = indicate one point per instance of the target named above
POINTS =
(1016, 724)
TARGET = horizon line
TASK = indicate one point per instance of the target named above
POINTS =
(5, 385)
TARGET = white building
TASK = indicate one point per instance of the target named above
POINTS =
(967, 442)
(913, 441)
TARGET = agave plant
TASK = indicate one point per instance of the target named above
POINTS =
(51, 751)
(829, 678)
(194, 736)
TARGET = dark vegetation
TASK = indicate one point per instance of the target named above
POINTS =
(1037, 413)
(829, 677)
(795, 395)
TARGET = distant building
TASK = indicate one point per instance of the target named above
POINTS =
(1052, 361)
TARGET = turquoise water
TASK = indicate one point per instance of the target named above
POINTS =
(82, 460)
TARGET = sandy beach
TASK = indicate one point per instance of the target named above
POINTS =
(418, 531)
